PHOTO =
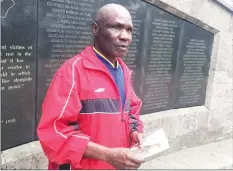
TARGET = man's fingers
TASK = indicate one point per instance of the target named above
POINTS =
(140, 136)
(131, 164)
(134, 159)
(140, 140)
(131, 168)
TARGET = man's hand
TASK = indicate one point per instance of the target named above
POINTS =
(122, 158)
(137, 138)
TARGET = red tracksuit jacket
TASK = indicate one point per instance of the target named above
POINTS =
(83, 104)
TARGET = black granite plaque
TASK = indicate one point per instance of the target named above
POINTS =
(170, 67)
(133, 58)
(160, 59)
(64, 30)
(193, 65)
(18, 71)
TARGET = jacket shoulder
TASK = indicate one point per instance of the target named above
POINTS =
(74, 61)
(70, 66)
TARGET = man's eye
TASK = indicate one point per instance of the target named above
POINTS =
(129, 30)
(116, 27)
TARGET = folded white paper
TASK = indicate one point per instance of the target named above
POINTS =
(152, 145)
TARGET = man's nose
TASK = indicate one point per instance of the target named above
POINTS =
(124, 35)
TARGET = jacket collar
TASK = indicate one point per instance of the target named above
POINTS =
(106, 61)
(91, 61)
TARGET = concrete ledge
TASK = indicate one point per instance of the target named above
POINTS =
(31, 156)
(183, 123)
(185, 128)
(27, 156)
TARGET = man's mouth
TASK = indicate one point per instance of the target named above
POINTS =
(123, 47)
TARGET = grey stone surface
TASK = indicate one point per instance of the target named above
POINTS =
(215, 119)
(203, 9)
(39, 160)
(184, 124)
(182, 5)
(182, 12)
(214, 56)
(229, 91)
(217, 90)
(220, 77)
(3, 160)
(166, 125)
(175, 126)
(18, 157)
(27, 156)
(224, 61)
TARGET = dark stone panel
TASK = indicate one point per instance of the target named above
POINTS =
(133, 59)
(193, 66)
(64, 30)
(161, 42)
(18, 71)
(170, 68)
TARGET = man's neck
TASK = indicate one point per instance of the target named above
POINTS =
(112, 59)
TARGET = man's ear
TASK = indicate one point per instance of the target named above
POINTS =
(95, 29)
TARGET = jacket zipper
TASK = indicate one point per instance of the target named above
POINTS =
(121, 109)
(127, 123)
(125, 85)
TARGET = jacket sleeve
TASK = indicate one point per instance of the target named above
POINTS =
(57, 131)
(134, 120)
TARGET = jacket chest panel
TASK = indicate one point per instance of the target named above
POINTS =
(96, 84)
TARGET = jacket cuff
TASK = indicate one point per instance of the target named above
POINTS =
(77, 149)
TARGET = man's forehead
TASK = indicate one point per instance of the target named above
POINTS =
(119, 19)
(116, 16)
(112, 12)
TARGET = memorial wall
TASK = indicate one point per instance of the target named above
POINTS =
(169, 57)
(18, 71)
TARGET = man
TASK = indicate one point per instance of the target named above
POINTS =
(90, 116)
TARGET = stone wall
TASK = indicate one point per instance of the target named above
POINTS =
(215, 117)
(186, 127)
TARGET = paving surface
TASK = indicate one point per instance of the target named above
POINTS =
(217, 155)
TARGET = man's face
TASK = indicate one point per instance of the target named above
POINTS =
(115, 34)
